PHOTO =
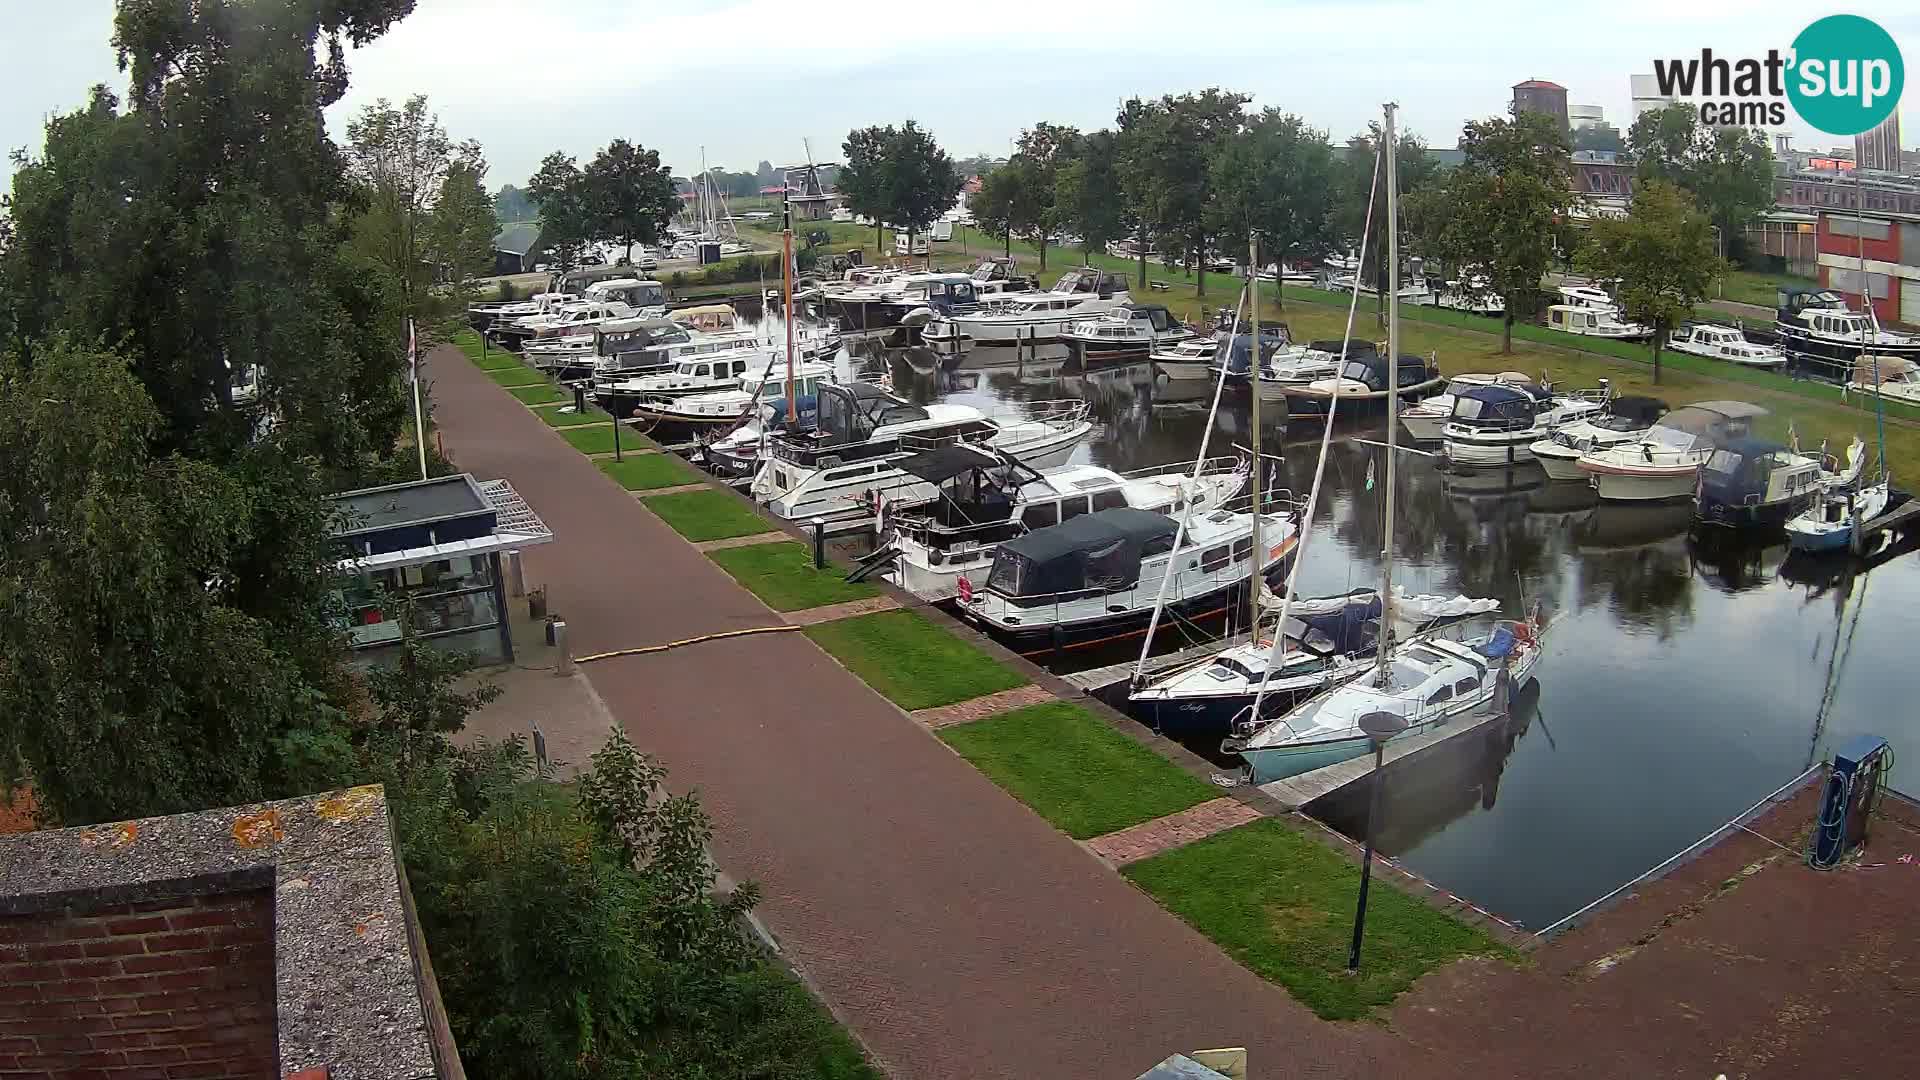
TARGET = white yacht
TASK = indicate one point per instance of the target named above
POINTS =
(1498, 425)
(1036, 318)
(1096, 578)
(1626, 419)
(723, 408)
(567, 319)
(1469, 296)
(1717, 342)
(1188, 360)
(1665, 462)
(839, 468)
(1815, 325)
(1426, 420)
(987, 497)
(1128, 332)
(1890, 376)
(1595, 322)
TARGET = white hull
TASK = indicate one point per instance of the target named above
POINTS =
(995, 331)
(820, 495)
(1507, 448)
(1185, 370)
(1559, 462)
(1424, 426)
(1650, 486)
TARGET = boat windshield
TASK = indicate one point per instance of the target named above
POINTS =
(1226, 669)
(1356, 370)
(1668, 438)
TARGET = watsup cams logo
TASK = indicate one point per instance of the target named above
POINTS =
(1843, 76)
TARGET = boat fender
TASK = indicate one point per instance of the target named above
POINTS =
(966, 590)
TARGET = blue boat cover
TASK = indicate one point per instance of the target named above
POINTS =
(1351, 628)
(1500, 645)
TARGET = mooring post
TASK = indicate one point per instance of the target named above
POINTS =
(580, 397)
(819, 543)
(562, 659)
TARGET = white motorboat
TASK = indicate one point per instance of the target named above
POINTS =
(723, 408)
(566, 320)
(1037, 318)
(1128, 332)
(1626, 419)
(700, 373)
(1327, 641)
(483, 316)
(1588, 297)
(1717, 342)
(1425, 682)
(1191, 359)
(1470, 296)
(1665, 463)
(1816, 325)
(987, 497)
(1498, 425)
(840, 468)
(1426, 420)
(1595, 322)
(1096, 578)
(1892, 377)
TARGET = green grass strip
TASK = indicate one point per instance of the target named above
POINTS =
(643, 472)
(1075, 771)
(566, 418)
(538, 394)
(496, 360)
(910, 660)
(599, 440)
(1282, 904)
(782, 574)
(517, 375)
(707, 515)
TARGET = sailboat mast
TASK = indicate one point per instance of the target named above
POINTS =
(1873, 320)
(1390, 151)
(1253, 379)
(786, 291)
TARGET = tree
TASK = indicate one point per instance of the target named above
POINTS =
(566, 219)
(922, 182)
(1166, 147)
(512, 204)
(1276, 179)
(1503, 209)
(402, 162)
(865, 179)
(993, 205)
(460, 232)
(1728, 170)
(1087, 193)
(764, 174)
(1662, 252)
(1354, 180)
(978, 165)
(628, 195)
(1044, 149)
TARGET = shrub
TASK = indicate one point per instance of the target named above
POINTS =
(505, 291)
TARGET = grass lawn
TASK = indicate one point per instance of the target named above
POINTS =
(566, 419)
(910, 660)
(782, 574)
(707, 515)
(495, 360)
(1747, 287)
(538, 394)
(1282, 905)
(646, 471)
(517, 375)
(599, 440)
(1077, 772)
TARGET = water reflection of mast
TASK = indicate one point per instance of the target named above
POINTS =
(1843, 633)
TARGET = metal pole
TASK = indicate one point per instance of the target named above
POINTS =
(786, 288)
(419, 415)
(1391, 152)
(1366, 858)
(1259, 490)
(617, 456)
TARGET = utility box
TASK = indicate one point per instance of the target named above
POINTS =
(1854, 786)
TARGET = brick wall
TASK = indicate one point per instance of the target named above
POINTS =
(177, 989)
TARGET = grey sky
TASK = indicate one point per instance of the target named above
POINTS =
(749, 79)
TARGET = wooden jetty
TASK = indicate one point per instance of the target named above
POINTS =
(1097, 680)
(1900, 517)
(1297, 791)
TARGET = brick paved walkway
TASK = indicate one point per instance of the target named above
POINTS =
(831, 612)
(734, 541)
(980, 708)
(1150, 838)
(956, 933)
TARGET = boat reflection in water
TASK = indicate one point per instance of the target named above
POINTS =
(1435, 788)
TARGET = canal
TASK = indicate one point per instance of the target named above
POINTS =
(1680, 683)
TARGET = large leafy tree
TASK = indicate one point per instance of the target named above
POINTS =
(1354, 181)
(1044, 150)
(994, 205)
(1087, 193)
(1166, 148)
(404, 167)
(1503, 209)
(1728, 170)
(922, 182)
(629, 195)
(1276, 179)
(1662, 252)
(866, 179)
(566, 218)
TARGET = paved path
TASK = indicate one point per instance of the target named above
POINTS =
(957, 933)
(1150, 838)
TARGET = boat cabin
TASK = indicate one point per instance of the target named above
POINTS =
(619, 337)
(1086, 281)
(1705, 423)
(1748, 472)
(1585, 296)
(1153, 315)
(1708, 336)
(1498, 407)
(1580, 320)
(944, 292)
(850, 416)
(1870, 371)
(1796, 302)
(634, 292)
(1370, 369)
(706, 318)
(1092, 553)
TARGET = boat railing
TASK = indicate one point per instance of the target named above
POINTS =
(1059, 413)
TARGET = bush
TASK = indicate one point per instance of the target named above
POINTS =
(505, 291)
(677, 279)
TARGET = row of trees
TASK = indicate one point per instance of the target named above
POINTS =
(623, 196)
(170, 641)
(897, 175)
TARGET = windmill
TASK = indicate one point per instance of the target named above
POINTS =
(807, 197)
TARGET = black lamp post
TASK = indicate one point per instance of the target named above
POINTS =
(1379, 726)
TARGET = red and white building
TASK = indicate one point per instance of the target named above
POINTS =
(1890, 245)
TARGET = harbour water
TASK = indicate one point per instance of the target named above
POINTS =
(1682, 681)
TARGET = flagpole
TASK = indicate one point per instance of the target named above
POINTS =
(419, 416)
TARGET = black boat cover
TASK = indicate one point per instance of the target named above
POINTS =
(1101, 550)
(1634, 407)
(947, 462)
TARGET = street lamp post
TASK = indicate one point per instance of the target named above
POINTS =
(1379, 726)
(1720, 249)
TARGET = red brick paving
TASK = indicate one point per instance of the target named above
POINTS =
(963, 712)
(1150, 838)
(847, 610)
(736, 541)
(956, 933)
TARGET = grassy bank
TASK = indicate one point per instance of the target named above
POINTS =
(912, 661)
(707, 515)
(643, 472)
(1075, 771)
(1282, 904)
(782, 575)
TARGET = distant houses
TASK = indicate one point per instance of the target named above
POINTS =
(517, 247)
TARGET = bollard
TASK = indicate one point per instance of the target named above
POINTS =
(540, 747)
(580, 397)
(516, 575)
(819, 543)
(562, 659)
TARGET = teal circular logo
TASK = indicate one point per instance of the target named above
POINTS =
(1847, 75)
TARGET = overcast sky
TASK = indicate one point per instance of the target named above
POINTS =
(750, 79)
